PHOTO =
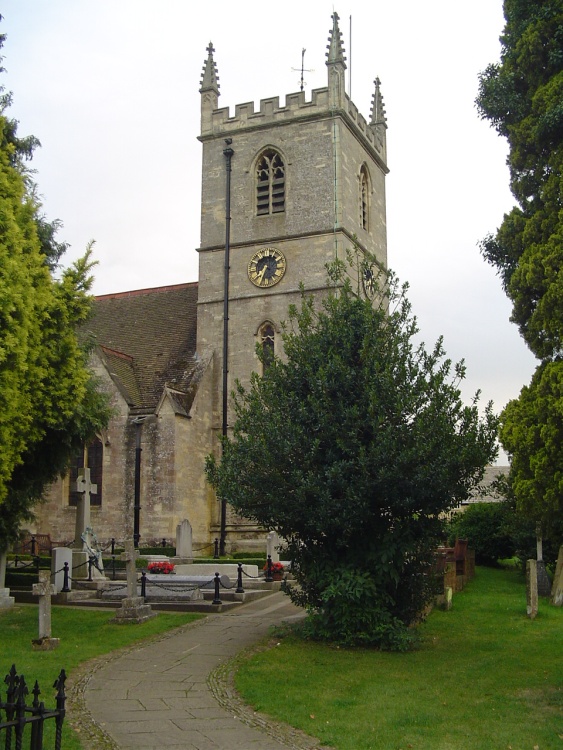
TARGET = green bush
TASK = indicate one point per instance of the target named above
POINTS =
(249, 556)
(485, 526)
(44, 560)
(167, 551)
(21, 579)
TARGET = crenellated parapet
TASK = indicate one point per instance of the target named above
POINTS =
(296, 107)
(324, 103)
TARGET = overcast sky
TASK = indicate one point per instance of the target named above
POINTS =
(110, 87)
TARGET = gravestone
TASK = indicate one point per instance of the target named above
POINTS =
(44, 590)
(184, 547)
(60, 556)
(272, 546)
(6, 600)
(544, 584)
(133, 608)
(557, 588)
(532, 588)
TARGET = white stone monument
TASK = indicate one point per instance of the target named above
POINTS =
(184, 547)
(272, 546)
(60, 556)
(6, 600)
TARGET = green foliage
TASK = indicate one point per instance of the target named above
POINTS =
(246, 556)
(350, 448)
(484, 676)
(49, 402)
(522, 97)
(486, 527)
(532, 433)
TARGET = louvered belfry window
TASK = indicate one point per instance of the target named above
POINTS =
(267, 340)
(270, 184)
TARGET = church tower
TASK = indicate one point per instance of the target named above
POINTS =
(306, 178)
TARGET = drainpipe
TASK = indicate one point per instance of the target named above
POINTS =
(228, 154)
(138, 422)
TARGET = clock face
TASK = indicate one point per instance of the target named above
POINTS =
(266, 267)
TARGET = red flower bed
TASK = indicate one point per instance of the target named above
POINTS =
(160, 567)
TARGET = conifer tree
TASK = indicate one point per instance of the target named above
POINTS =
(49, 403)
(522, 96)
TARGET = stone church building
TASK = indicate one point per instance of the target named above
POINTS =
(286, 189)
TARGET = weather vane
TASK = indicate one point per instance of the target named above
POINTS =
(303, 69)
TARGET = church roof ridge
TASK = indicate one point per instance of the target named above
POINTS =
(116, 353)
(147, 290)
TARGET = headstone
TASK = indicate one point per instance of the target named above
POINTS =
(44, 590)
(272, 546)
(60, 556)
(133, 607)
(184, 547)
(6, 600)
(557, 588)
(544, 584)
(532, 588)
(85, 488)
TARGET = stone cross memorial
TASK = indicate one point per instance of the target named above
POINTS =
(44, 590)
(133, 608)
(131, 555)
(85, 488)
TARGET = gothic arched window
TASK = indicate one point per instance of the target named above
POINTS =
(95, 464)
(270, 183)
(267, 334)
(364, 198)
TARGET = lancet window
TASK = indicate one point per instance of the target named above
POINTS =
(267, 335)
(364, 198)
(270, 183)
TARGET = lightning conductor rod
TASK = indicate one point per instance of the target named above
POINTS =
(228, 154)
(350, 69)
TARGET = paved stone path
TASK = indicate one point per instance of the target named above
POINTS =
(168, 693)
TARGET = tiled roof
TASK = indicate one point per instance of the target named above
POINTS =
(147, 340)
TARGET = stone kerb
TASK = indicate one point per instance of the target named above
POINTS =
(204, 569)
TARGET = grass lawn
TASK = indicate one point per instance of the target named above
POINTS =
(485, 678)
(84, 634)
